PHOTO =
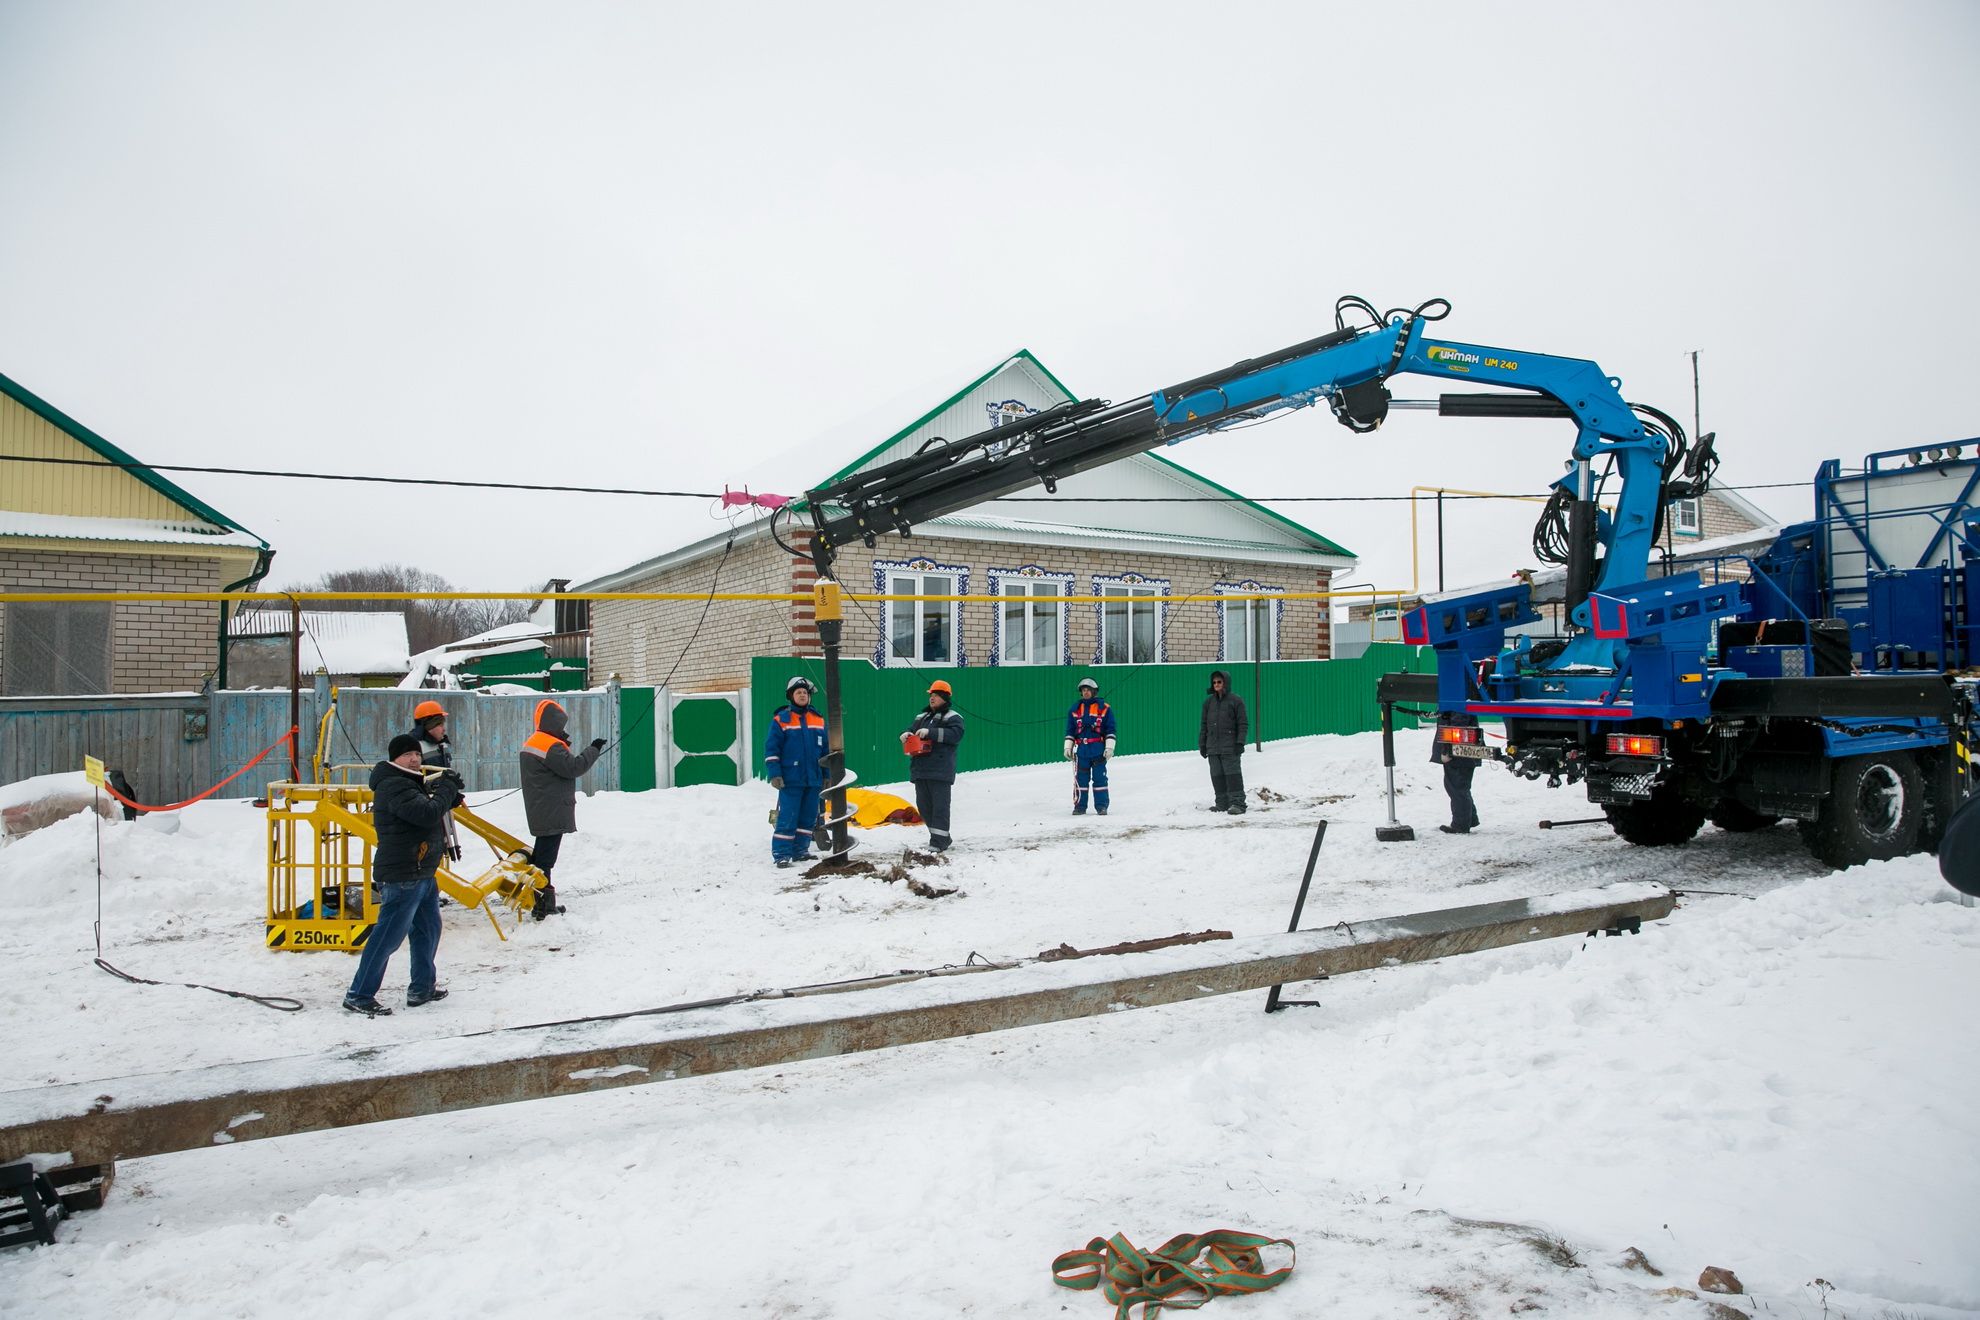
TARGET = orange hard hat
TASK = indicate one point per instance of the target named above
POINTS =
(425, 708)
(941, 685)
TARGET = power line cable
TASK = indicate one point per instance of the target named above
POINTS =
(716, 495)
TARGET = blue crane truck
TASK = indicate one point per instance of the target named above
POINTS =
(1818, 681)
(1813, 688)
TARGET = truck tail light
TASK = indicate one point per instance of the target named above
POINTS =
(1635, 744)
(1458, 735)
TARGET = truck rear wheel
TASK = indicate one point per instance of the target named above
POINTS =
(1873, 810)
(1735, 817)
(1667, 818)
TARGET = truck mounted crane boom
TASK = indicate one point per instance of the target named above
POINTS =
(1348, 368)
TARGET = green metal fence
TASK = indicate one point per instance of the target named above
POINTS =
(1017, 716)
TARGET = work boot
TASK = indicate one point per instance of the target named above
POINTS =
(369, 1007)
(1452, 829)
(783, 863)
(1099, 811)
(414, 999)
(1237, 808)
(546, 903)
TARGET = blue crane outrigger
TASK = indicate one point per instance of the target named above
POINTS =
(1675, 699)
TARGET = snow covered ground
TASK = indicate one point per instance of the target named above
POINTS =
(1777, 1082)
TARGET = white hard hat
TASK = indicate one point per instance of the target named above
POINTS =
(799, 682)
(1090, 682)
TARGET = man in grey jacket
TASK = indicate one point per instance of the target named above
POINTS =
(550, 771)
(1220, 739)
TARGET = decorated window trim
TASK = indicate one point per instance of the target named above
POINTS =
(1247, 587)
(885, 568)
(1131, 579)
(1030, 573)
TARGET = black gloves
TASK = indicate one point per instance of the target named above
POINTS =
(597, 742)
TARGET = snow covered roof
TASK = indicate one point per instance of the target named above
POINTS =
(336, 641)
(136, 471)
(72, 527)
(500, 637)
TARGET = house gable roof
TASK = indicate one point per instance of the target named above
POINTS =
(1227, 523)
(190, 506)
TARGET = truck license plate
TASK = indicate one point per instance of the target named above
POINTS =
(1472, 751)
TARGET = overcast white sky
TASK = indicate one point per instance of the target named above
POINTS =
(650, 245)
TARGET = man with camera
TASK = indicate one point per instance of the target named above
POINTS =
(409, 814)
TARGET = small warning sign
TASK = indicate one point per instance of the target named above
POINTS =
(93, 770)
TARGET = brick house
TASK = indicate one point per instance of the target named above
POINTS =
(1030, 552)
(77, 526)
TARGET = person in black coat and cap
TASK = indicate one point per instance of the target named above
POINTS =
(1458, 771)
(409, 815)
(1220, 739)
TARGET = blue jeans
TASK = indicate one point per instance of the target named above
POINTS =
(797, 815)
(410, 906)
(1090, 769)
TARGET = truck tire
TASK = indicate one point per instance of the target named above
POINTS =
(1874, 808)
(1668, 818)
(1735, 817)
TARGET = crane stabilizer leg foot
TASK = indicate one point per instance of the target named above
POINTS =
(1393, 833)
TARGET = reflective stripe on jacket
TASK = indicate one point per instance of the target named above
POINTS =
(794, 748)
(550, 771)
(1090, 721)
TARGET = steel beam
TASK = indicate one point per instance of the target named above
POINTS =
(131, 1117)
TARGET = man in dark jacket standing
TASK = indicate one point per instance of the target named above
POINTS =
(409, 815)
(1458, 769)
(1220, 739)
(550, 771)
(931, 742)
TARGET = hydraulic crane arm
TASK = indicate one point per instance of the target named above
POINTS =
(1348, 369)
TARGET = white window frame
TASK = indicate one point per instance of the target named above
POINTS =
(885, 574)
(1135, 588)
(1032, 577)
(1680, 525)
(1229, 610)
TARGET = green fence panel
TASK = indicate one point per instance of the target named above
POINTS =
(638, 771)
(1017, 716)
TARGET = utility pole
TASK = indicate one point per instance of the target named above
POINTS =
(1440, 540)
(295, 690)
(1697, 427)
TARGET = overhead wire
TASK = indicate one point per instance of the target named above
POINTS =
(716, 495)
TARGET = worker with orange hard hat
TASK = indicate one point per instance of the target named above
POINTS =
(930, 742)
(430, 727)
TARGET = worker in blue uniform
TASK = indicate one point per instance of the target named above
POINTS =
(1089, 746)
(794, 750)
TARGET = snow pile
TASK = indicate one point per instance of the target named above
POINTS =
(1776, 1084)
(27, 805)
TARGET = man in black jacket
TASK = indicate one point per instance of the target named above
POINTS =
(1220, 735)
(550, 771)
(931, 742)
(409, 816)
(1457, 771)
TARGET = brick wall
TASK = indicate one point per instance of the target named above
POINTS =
(156, 646)
(641, 640)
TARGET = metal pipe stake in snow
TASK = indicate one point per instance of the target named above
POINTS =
(132, 1117)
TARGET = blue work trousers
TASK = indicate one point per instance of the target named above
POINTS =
(1090, 767)
(410, 907)
(797, 814)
